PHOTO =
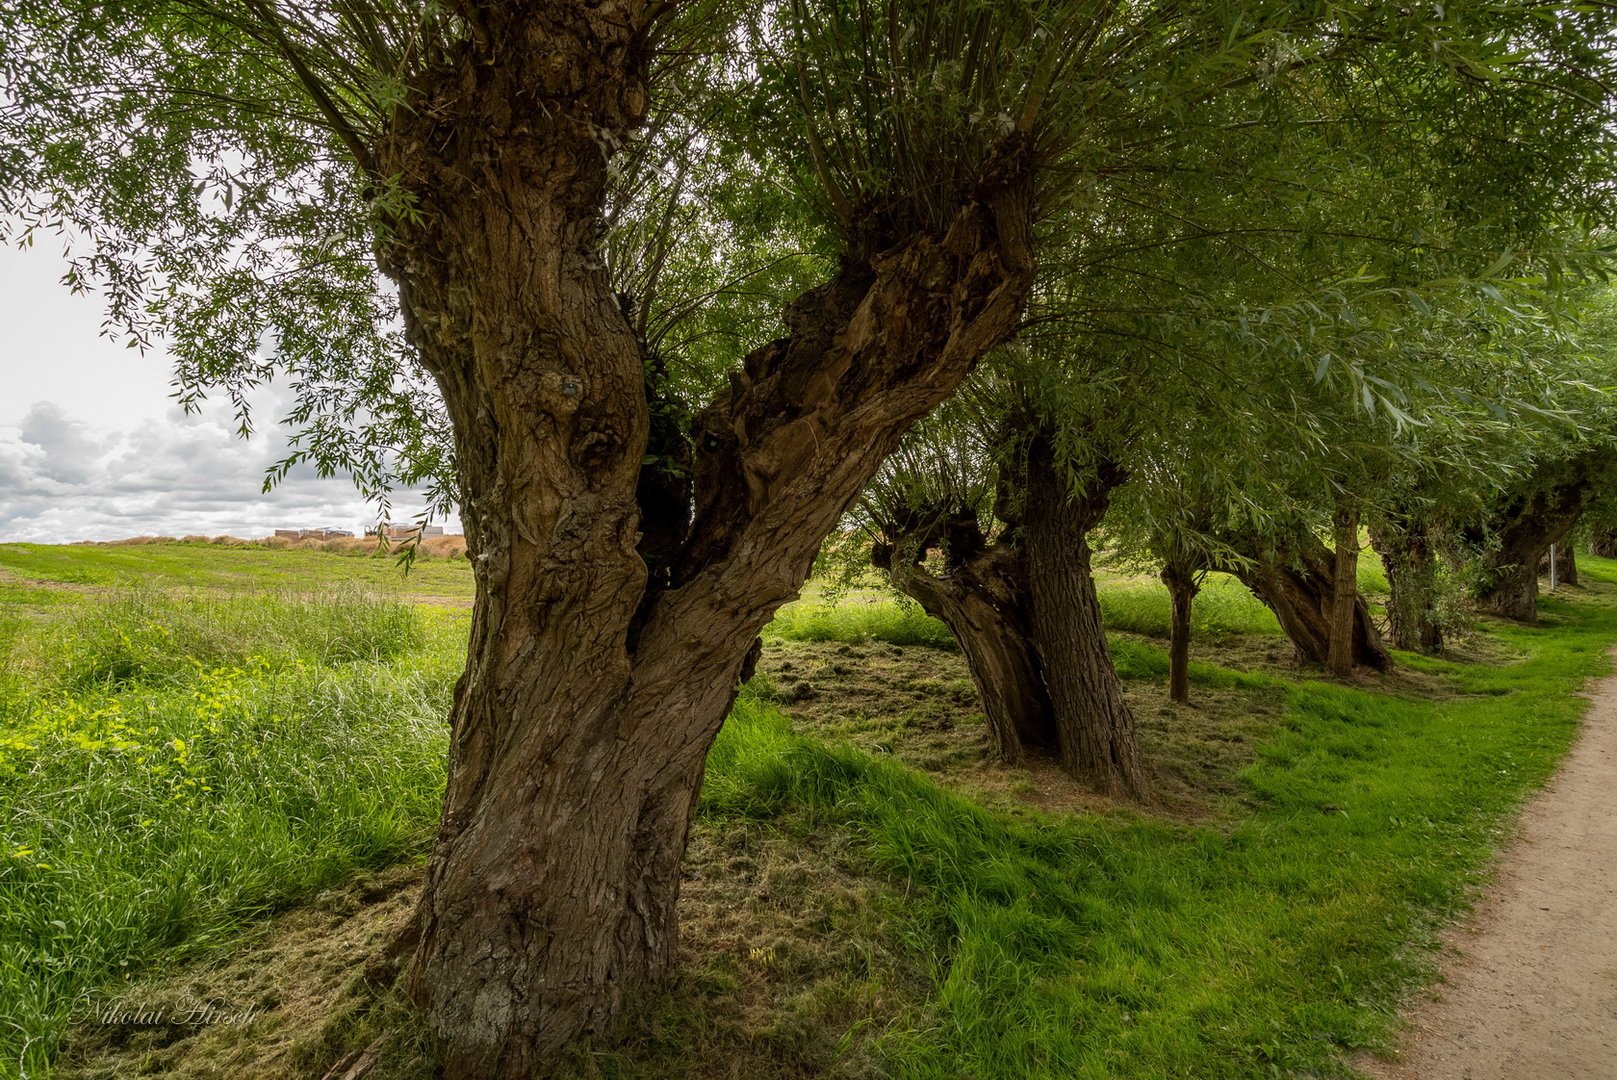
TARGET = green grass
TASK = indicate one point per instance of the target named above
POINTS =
(143, 637)
(893, 620)
(219, 567)
(1091, 946)
(1223, 607)
(173, 768)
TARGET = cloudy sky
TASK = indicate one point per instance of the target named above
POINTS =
(93, 448)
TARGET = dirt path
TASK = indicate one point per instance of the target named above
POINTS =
(1532, 994)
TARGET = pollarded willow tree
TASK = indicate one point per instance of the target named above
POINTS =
(1491, 386)
(1552, 471)
(1495, 393)
(1261, 317)
(1539, 509)
(1222, 460)
(1426, 511)
(461, 158)
(979, 520)
(408, 211)
(411, 212)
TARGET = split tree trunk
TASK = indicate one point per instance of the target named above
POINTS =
(611, 624)
(1025, 613)
(1525, 524)
(1183, 584)
(1406, 552)
(1299, 587)
(1523, 533)
(1344, 592)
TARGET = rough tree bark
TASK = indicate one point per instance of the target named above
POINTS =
(1522, 530)
(1404, 544)
(1184, 582)
(1344, 591)
(1603, 542)
(981, 596)
(1298, 585)
(612, 624)
(1094, 722)
(1026, 615)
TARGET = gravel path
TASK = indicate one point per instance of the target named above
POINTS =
(1532, 994)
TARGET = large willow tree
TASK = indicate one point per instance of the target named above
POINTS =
(408, 211)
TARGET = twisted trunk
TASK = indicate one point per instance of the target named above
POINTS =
(1026, 616)
(1183, 584)
(618, 604)
(1299, 586)
(982, 599)
(1404, 545)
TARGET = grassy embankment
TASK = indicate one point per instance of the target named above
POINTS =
(868, 894)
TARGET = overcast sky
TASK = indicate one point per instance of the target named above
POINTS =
(92, 447)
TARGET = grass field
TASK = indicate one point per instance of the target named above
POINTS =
(213, 788)
(217, 568)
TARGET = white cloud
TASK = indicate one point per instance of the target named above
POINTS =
(62, 479)
(93, 448)
(68, 446)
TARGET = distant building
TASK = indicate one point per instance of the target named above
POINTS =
(312, 534)
(405, 530)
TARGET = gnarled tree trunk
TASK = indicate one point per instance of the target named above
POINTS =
(1025, 613)
(616, 609)
(1183, 582)
(1094, 722)
(1603, 542)
(982, 597)
(1299, 587)
(1522, 531)
(1404, 545)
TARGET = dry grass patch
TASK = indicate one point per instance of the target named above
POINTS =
(264, 1010)
(919, 705)
(783, 972)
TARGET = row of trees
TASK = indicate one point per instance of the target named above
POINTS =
(1462, 508)
(655, 291)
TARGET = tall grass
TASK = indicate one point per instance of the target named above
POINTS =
(172, 767)
(146, 637)
(1223, 607)
(255, 569)
(896, 621)
(153, 797)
